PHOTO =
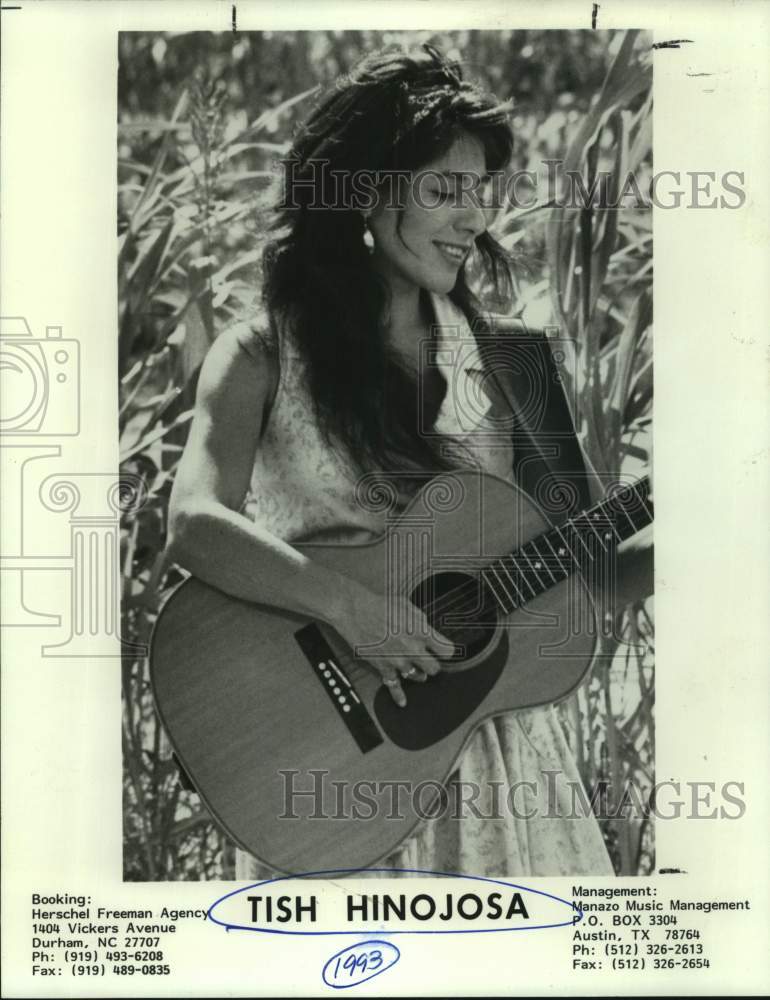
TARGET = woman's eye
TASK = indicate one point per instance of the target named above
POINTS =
(482, 197)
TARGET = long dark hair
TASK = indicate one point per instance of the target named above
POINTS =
(396, 110)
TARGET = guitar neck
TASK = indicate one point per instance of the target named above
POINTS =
(592, 535)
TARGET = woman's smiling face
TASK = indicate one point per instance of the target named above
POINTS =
(427, 242)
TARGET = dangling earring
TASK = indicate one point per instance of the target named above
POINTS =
(368, 237)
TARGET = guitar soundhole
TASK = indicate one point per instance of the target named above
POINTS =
(460, 607)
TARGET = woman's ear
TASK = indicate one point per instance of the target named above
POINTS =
(368, 236)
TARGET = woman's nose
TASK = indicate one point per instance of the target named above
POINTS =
(472, 216)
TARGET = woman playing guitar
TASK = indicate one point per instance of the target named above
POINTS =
(361, 283)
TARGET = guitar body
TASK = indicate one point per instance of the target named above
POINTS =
(255, 709)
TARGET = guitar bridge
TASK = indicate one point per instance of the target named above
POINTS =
(338, 687)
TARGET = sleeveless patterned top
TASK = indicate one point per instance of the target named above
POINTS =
(301, 487)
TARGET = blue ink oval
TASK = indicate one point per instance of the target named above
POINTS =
(367, 959)
(574, 917)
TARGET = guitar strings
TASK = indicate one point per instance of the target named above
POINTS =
(454, 599)
(454, 596)
(449, 600)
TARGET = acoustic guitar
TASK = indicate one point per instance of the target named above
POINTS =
(292, 740)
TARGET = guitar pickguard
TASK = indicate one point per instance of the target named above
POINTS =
(436, 708)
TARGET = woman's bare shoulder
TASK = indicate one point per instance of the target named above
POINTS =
(255, 337)
(241, 364)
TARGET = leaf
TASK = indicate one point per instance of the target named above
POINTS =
(558, 243)
(246, 175)
(624, 81)
(222, 293)
(629, 450)
(181, 245)
(157, 435)
(149, 260)
(205, 260)
(196, 341)
(250, 257)
(267, 118)
(151, 186)
(139, 168)
(640, 397)
(513, 216)
(280, 148)
(509, 241)
(137, 291)
(642, 144)
(608, 240)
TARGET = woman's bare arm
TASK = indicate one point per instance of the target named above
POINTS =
(210, 538)
(207, 535)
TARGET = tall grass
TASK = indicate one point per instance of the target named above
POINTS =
(190, 212)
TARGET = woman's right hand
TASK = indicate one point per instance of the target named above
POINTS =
(407, 648)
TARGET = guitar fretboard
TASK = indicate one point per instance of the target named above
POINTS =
(544, 561)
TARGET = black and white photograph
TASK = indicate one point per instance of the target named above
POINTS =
(385, 345)
(383, 589)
